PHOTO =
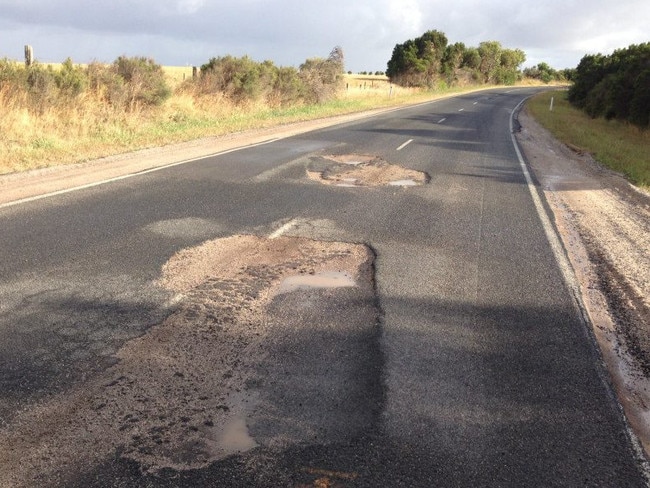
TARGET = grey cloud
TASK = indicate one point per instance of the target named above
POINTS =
(289, 31)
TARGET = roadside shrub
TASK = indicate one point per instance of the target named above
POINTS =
(144, 81)
(286, 89)
(41, 88)
(237, 78)
(71, 80)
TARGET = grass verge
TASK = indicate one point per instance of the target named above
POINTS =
(88, 130)
(618, 145)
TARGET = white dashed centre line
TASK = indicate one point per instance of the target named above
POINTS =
(285, 228)
(442, 120)
(404, 145)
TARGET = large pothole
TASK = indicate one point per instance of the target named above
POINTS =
(270, 346)
(362, 170)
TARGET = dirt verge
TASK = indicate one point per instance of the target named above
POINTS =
(604, 223)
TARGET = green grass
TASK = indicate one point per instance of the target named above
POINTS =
(618, 145)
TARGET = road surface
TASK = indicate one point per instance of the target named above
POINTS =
(146, 338)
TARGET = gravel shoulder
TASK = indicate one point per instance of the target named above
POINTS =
(604, 224)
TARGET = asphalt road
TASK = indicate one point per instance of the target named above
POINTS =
(477, 370)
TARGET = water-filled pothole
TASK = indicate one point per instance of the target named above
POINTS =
(231, 370)
(362, 170)
(325, 279)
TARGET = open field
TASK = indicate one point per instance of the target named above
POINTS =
(618, 145)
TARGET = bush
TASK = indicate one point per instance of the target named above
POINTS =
(71, 80)
(322, 77)
(236, 78)
(41, 88)
(614, 86)
(144, 81)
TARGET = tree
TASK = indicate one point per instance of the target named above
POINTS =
(322, 77)
(418, 62)
(422, 61)
(453, 59)
(615, 86)
(490, 53)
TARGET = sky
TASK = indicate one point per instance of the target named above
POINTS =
(287, 32)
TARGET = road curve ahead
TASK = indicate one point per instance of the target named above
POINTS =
(371, 304)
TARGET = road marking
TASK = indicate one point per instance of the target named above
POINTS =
(284, 229)
(552, 236)
(130, 175)
(404, 145)
(475, 103)
(568, 274)
(442, 120)
(461, 109)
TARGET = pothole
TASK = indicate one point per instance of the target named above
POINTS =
(325, 279)
(362, 170)
(227, 371)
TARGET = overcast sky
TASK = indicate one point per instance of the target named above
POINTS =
(190, 32)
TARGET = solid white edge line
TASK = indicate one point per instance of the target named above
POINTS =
(551, 235)
(282, 230)
(130, 175)
(572, 284)
(404, 145)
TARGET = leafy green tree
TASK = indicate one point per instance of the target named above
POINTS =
(453, 60)
(490, 52)
(418, 62)
(640, 102)
(472, 58)
(614, 86)
(590, 71)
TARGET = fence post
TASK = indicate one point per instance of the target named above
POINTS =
(551, 107)
(29, 55)
(195, 71)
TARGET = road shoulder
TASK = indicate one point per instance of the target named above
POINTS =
(604, 224)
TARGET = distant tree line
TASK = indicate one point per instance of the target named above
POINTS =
(429, 60)
(615, 86)
(544, 73)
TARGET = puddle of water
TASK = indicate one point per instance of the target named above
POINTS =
(351, 159)
(235, 438)
(404, 183)
(349, 182)
(326, 279)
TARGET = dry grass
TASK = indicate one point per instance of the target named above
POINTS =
(89, 129)
(618, 145)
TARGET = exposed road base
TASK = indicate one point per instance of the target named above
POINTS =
(238, 366)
